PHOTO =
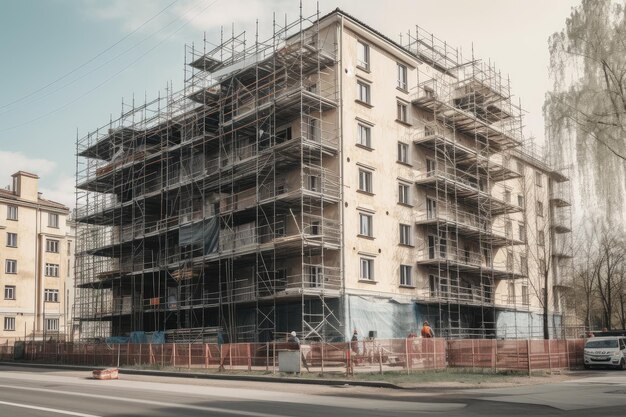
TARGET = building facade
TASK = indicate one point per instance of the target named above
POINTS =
(325, 180)
(36, 254)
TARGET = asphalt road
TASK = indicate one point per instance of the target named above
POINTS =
(46, 392)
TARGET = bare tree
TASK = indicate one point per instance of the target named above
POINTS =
(608, 273)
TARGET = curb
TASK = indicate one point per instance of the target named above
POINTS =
(253, 378)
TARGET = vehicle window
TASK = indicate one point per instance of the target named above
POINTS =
(622, 343)
(602, 344)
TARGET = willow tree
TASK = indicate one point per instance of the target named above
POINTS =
(585, 112)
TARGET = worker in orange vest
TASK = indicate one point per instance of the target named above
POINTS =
(427, 331)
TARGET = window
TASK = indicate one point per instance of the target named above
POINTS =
(52, 246)
(69, 248)
(313, 183)
(363, 92)
(51, 296)
(365, 181)
(508, 229)
(538, 179)
(11, 212)
(525, 299)
(539, 208)
(363, 55)
(431, 167)
(53, 220)
(279, 228)
(507, 196)
(522, 232)
(403, 193)
(403, 153)
(438, 286)
(402, 112)
(431, 208)
(9, 292)
(542, 267)
(365, 225)
(520, 200)
(402, 77)
(541, 238)
(315, 228)
(364, 135)
(10, 266)
(405, 234)
(52, 325)
(9, 324)
(12, 240)
(52, 270)
(367, 269)
(509, 261)
(511, 298)
(520, 167)
(316, 276)
(405, 275)
(524, 265)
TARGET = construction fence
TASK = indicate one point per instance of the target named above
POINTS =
(369, 356)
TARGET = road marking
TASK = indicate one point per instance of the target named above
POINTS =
(137, 401)
(48, 410)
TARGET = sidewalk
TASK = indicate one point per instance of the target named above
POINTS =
(425, 381)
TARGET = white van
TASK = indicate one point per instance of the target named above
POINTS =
(605, 351)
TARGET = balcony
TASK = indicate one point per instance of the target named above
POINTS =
(469, 225)
(463, 185)
(468, 262)
(560, 195)
(449, 107)
(561, 221)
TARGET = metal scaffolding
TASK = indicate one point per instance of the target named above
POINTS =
(215, 208)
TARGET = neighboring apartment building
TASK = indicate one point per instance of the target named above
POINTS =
(326, 180)
(36, 254)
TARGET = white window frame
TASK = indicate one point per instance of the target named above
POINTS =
(431, 167)
(525, 295)
(53, 220)
(52, 246)
(402, 113)
(366, 224)
(12, 212)
(364, 92)
(10, 266)
(406, 275)
(52, 270)
(364, 135)
(511, 293)
(51, 295)
(404, 193)
(315, 275)
(363, 55)
(11, 240)
(402, 77)
(52, 325)
(9, 324)
(366, 179)
(366, 269)
(405, 234)
(431, 208)
(403, 153)
(9, 292)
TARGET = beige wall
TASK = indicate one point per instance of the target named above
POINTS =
(381, 161)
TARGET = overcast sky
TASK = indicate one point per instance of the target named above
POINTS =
(67, 64)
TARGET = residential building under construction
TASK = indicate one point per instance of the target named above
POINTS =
(323, 180)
